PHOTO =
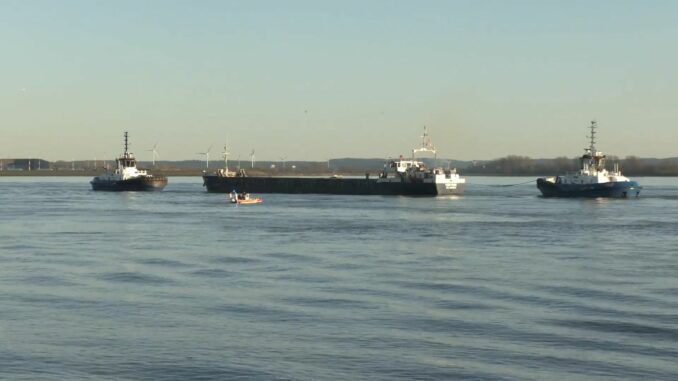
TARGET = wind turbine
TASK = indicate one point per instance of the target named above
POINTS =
(155, 152)
(207, 156)
(225, 156)
(283, 162)
(252, 157)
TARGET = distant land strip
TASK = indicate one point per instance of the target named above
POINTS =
(507, 166)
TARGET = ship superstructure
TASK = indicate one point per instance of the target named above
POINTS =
(402, 171)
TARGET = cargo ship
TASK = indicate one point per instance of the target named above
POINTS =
(127, 177)
(405, 177)
(592, 179)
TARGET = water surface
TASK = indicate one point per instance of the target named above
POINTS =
(498, 284)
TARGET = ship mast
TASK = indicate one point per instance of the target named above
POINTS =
(126, 144)
(596, 159)
(424, 138)
(592, 147)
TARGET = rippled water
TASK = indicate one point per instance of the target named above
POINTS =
(498, 284)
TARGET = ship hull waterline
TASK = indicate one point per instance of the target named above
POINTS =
(339, 186)
(155, 184)
(626, 189)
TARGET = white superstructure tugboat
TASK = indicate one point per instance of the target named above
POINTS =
(127, 177)
(416, 178)
(592, 180)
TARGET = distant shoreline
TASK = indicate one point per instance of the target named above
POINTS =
(85, 173)
(171, 173)
(512, 165)
(198, 173)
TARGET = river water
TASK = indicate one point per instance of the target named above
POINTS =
(498, 284)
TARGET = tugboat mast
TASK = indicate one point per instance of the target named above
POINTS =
(596, 159)
(593, 127)
(126, 144)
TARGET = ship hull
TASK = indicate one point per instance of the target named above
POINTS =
(626, 189)
(219, 184)
(139, 184)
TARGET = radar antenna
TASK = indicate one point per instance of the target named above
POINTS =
(426, 145)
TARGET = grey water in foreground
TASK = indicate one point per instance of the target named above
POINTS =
(497, 284)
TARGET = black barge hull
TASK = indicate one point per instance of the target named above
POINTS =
(219, 184)
(154, 184)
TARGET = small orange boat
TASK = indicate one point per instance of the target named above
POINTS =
(251, 201)
(244, 198)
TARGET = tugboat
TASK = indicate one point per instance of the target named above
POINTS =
(126, 177)
(592, 180)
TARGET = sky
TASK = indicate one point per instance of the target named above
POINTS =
(312, 80)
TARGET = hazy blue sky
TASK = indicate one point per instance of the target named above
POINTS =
(316, 79)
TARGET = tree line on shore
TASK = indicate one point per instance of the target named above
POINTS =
(523, 165)
(512, 165)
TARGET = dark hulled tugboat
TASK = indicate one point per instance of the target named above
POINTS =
(592, 180)
(126, 177)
